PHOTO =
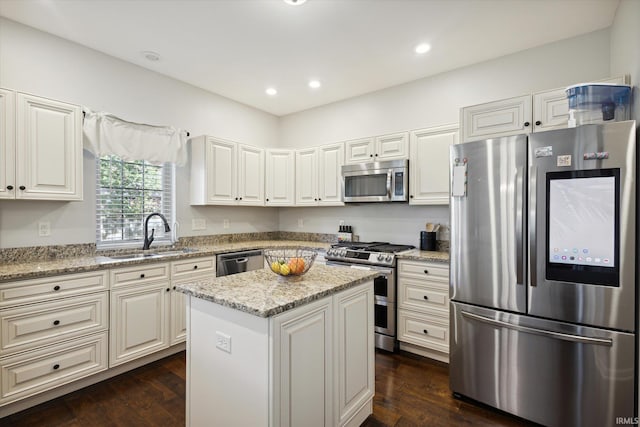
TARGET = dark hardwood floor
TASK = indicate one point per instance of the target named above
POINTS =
(410, 391)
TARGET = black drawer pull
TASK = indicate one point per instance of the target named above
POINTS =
(425, 331)
(168, 290)
(526, 124)
(174, 288)
(56, 322)
(22, 187)
(195, 267)
(56, 288)
(142, 276)
(9, 187)
(426, 272)
(538, 123)
(56, 366)
(425, 297)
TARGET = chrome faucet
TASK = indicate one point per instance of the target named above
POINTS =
(148, 239)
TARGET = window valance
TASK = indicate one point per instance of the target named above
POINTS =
(106, 134)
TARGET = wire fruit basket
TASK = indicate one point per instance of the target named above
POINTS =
(290, 263)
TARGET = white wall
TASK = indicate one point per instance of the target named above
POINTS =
(36, 62)
(429, 102)
(625, 47)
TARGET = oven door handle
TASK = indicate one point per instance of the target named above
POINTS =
(381, 270)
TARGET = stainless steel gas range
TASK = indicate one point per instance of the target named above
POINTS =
(381, 257)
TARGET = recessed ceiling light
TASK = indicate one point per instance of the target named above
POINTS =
(423, 48)
(294, 2)
(314, 84)
(271, 91)
(150, 55)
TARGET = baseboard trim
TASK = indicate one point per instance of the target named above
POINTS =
(425, 352)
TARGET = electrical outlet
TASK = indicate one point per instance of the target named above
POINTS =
(225, 223)
(198, 224)
(223, 341)
(44, 229)
(300, 223)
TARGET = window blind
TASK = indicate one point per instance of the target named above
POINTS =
(126, 193)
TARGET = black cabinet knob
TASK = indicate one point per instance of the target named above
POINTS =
(9, 187)
(426, 272)
(56, 322)
(240, 198)
(376, 154)
(526, 124)
(411, 197)
(319, 199)
(370, 155)
(56, 288)
(236, 198)
(425, 297)
(267, 200)
(22, 187)
(168, 290)
(538, 123)
(174, 288)
(56, 366)
(195, 267)
(142, 276)
(315, 200)
(425, 331)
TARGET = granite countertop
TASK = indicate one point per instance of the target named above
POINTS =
(262, 293)
(418, 255)
(44, 268)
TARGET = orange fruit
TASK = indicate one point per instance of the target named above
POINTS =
(296, 265)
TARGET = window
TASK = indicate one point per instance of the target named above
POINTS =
(128, 191)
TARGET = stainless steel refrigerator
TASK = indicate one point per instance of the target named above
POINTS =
(543, 274)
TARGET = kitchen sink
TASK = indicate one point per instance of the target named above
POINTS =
(151, 255)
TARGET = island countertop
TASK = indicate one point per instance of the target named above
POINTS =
(262, 293)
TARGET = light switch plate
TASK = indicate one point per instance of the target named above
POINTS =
(198, 224)
(225, 223)
(223, 341)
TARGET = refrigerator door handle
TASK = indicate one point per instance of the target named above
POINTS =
(557, 335)
(519, 225)
(533, 276)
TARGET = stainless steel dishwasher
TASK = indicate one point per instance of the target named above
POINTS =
(239, 262)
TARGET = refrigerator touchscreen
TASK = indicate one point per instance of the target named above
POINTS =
(582, 223)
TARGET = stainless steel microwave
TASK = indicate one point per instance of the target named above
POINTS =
(376, 181)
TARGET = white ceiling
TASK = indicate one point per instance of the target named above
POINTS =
(237, 48)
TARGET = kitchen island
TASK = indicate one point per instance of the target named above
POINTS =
(265, 352)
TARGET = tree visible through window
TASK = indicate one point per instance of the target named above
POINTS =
(128, 191)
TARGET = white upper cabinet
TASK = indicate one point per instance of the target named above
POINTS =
(319, 175)
(221, 176)
(280, 177)
(331, 159)
(360, 150)
(550, 110)
(307, 177)
(429, 165)
(542, 111)
(250, 176)
(40, 148)
(494, 119)
(387, 147)
(7, 144)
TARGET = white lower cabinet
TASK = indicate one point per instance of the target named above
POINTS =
(53, 331)
(423, 308)
(310, 366)
(139, 321)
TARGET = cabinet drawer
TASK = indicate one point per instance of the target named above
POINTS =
(424, 331)
(426, 270)
(27, 374)
(34, 325)
(424, 299)
(139, 274)
(187, 267)
(48, 288)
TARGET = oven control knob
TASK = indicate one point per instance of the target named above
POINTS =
(380, 257)
(388, 258)
(329, 251)
(343, 252)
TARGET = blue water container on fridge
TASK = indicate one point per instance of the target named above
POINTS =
(598, 103)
